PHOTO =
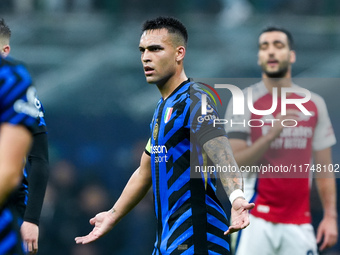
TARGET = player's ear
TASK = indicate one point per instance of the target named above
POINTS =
(5, 50)
(292, 57)
(180, 53)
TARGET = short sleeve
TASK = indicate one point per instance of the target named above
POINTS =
(323, 134)
(148, 147)
(203, 126)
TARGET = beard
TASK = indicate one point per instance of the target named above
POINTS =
(280, 73)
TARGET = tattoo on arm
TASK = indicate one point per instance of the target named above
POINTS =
(220, 152)
(113, 210)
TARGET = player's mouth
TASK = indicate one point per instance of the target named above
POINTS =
(148, 70)
(272, 62)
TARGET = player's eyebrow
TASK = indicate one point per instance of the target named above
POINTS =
(151, 47)
(279, 42)
(265, 43)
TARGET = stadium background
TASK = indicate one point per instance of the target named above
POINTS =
(83, 56)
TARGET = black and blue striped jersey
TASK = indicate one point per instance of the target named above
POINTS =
(17, 97)
(190, 219)
(17, 108)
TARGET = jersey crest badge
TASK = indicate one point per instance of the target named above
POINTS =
(155, 131)
(167, 115)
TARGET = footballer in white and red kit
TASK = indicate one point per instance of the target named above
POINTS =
(283, 196)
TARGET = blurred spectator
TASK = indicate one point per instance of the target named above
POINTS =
(234, 12)
(59, 212)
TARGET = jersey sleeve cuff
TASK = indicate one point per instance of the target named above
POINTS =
(207, 136)
(147, 152)
(237, 135)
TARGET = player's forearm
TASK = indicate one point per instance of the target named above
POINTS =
(37, 177)
(219, 151)
(14, 145)
(251, 155)
(37, 180)
(134, 191)
(325, 182)
(327, 192)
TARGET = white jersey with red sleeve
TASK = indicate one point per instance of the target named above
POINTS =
(282, 197)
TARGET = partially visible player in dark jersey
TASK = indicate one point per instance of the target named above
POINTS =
(28, 199)
(190, 218)
(17, 117)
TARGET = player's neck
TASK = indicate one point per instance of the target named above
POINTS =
(171, 84)
(278, 83)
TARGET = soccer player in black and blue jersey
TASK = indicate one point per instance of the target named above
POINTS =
(17, 117)
(28, 199)
(190, 219)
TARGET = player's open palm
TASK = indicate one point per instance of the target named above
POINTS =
(239, 215)
(103, 222)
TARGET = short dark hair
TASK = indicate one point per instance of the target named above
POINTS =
(5, 31)
(283, 30)
(173, 26)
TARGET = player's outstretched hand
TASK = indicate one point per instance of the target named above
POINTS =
(239, 215)
(103, 222)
